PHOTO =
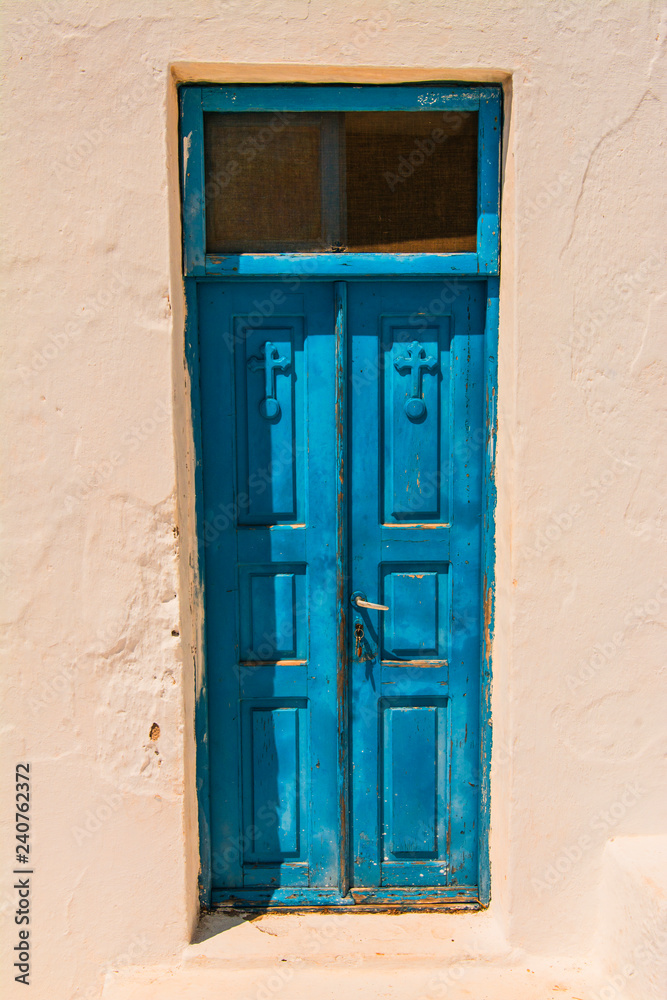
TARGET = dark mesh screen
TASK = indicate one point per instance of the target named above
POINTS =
(411, 181)
(360, 181)
(263, 184)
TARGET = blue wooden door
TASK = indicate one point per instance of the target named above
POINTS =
(415, 447)
(343, 740)
(267, 359)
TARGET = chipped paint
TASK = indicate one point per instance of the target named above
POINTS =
(187, 142)
(420, 525)
(340, 417)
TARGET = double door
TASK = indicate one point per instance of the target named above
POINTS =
(342, 454)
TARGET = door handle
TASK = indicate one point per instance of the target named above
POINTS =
(358, 600)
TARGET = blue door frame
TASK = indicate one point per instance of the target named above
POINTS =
(345, 271)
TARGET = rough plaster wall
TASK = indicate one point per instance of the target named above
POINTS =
(97, 439)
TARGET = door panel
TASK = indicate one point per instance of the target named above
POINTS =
(414, 803)
(414, 410)
(415, 630)
(276, 792)
(267, 386)
(415, 533)
(270, 419)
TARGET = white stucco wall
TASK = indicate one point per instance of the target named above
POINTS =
(96, 438)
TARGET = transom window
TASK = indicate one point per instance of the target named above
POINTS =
(367, 181)
(328, 180)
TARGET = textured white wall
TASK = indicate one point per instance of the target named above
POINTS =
(96, 440)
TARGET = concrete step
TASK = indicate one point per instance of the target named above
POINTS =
(324, 937)
(331, 956)
(380, 979)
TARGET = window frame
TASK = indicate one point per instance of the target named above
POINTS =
(197, 100)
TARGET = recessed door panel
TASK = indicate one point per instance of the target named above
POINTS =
(276, 792)
(414, 801)
(416, 626)
(270, 417)
(415, 414)
(275, 625)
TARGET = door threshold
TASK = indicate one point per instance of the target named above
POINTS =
(368, 900)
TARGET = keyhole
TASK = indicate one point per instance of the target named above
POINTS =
(358, 635)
